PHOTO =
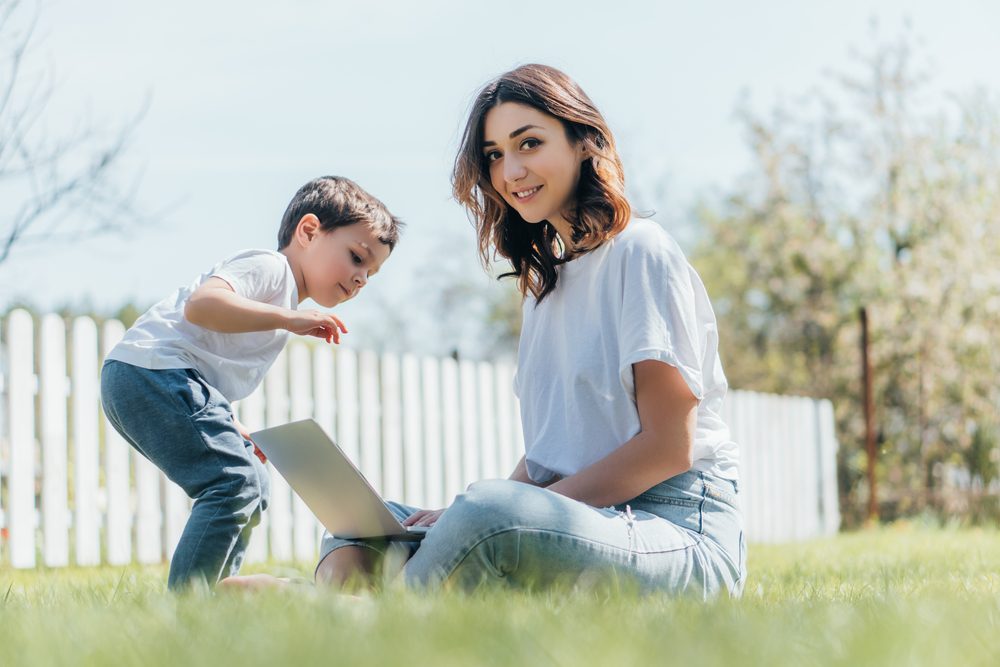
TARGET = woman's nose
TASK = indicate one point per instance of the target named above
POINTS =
(513, 169)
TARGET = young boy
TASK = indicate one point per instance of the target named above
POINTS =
(167, 386)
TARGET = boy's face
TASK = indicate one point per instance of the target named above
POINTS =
(338, 263)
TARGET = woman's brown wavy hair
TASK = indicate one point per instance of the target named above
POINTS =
(599, 210)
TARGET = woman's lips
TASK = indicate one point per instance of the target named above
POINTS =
(534, 193)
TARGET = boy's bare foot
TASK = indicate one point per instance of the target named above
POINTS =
(255, 582)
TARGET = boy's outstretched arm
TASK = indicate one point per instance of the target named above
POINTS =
(217, 307)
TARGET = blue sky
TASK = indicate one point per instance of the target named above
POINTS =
(249, 100)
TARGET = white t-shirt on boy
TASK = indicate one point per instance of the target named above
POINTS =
(232, 363)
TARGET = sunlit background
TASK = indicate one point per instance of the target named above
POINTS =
(812, 158)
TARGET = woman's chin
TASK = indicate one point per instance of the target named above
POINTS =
(531, 219)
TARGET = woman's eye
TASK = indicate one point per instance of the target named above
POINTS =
(493, 156)
(530, 143)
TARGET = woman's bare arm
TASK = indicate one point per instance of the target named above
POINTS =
(661, 449)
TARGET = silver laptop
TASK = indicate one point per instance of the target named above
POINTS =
(329, 484)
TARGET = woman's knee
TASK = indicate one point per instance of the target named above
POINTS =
(493, 504)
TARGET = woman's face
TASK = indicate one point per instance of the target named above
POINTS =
(533, 164)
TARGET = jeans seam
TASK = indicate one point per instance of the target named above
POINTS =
(701, 505)
(698, 539)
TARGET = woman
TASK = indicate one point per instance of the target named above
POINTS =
(629, 470)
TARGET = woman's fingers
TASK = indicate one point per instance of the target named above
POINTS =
(423, 518)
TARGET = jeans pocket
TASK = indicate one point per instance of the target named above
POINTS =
(197, 394)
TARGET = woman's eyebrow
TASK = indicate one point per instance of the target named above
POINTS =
(520, 130)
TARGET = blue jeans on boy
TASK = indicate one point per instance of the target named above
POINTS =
(185, 427)
(683, 536)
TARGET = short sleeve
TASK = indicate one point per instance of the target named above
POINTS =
(255, 275)
(659, 313)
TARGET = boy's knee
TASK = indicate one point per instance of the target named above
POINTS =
(247, 493)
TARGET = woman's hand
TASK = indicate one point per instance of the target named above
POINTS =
(423, 518)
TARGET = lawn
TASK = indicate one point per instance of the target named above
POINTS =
(902, 595)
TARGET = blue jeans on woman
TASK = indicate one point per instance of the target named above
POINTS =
(185, 427)
(683, 536)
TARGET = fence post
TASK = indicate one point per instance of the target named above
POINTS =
(21, 415)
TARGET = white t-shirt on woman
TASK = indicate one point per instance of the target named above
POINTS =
(632, 299)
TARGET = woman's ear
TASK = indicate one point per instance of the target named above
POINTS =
(307, 229)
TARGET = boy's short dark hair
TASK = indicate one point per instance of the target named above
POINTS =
(338, 202)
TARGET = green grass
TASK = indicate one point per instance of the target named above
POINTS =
(895, 596)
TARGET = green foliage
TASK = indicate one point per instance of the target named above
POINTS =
(864, 194)
(899, 596)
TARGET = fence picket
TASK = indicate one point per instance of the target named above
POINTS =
(21, 414)
(413, 457)
(280, 507)
(86, 460)
(433, 452)
(55, 471)
(250, 411)
(347, 402)
(392, 429)
(300, 393)
(451, 429)
(370, 456)
(506, 456)
(324, 404)
(489, 463)
(470, 422)
(118, 530)
(177, 507)
(148, 513)
(830, 505)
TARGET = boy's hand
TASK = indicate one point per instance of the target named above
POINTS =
(315, 323)
(246, 436)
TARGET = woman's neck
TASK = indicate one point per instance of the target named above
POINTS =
(565, 231)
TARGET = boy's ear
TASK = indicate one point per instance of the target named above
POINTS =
(307, 229)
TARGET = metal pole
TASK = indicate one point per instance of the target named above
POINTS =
(866, 377)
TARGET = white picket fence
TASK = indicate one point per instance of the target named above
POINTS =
(421, 429)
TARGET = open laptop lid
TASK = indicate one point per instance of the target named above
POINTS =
(328, 482)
